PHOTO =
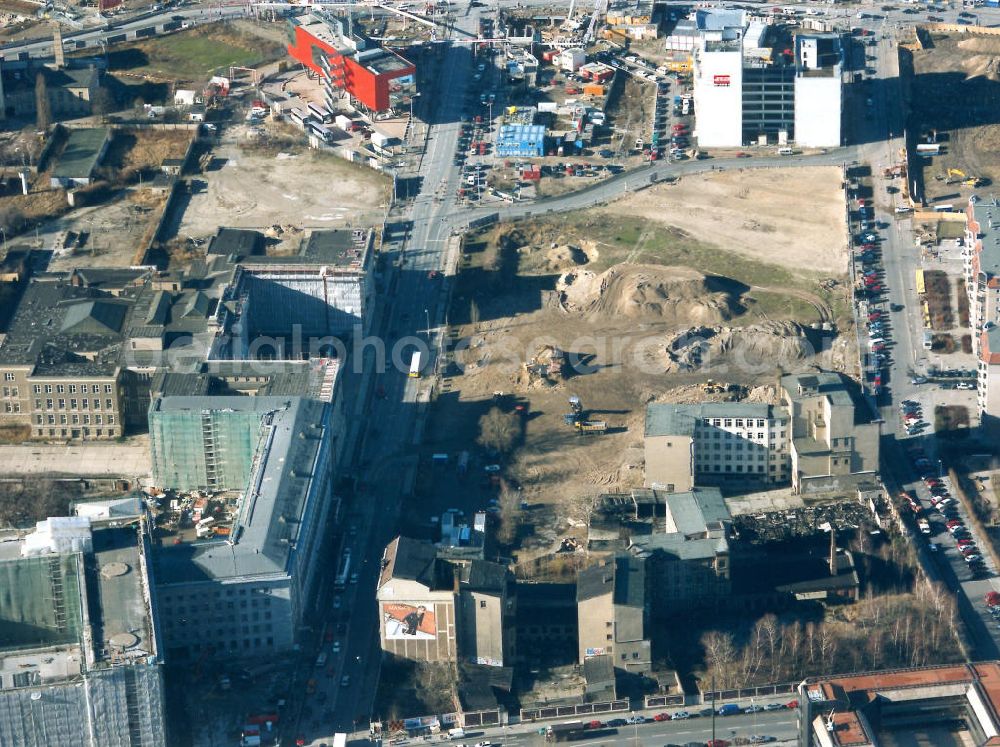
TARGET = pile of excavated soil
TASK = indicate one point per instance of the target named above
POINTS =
(767, 344)
(674, 295)
(984, 59)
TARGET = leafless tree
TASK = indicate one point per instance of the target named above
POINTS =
(498, 430)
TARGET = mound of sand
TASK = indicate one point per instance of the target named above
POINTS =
(767, 344)
(675, 295)
(984, 57)
(981, 44)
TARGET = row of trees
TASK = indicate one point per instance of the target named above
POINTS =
(879, 632)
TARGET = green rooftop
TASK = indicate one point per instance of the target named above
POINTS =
(40, 601)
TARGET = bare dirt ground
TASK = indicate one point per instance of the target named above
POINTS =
(111, 231)
(255, 187)
(795, 220)
(646, 312)
(964, 70)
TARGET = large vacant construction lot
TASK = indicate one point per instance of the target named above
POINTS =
(793, 218)
(248, 186)
(650, 312)
(955, 91)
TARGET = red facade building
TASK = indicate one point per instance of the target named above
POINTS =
(375, 78)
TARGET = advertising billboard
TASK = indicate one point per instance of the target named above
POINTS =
(409, 622)
(721, 80)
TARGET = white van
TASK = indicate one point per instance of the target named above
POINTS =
(785, 151)
(458, 733)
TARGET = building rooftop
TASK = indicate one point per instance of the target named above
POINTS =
(836, 388)
(340, 248)
(273, 506)
(688, 525)
(623, 576)
(53, 600)
(238, 242)
(411, 559)
(987, 215)
(81, 154)
(383, 62)
(990, 345)
(681, 420)
(61, 327)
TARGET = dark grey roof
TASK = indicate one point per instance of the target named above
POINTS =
(170, 384)
(106, 278)
(598, 669)
(97, 317)
(340, 248)
(239, 242)
(56, 323)
(594, 581)
(630, 581)
(412, 559)
(483, 575)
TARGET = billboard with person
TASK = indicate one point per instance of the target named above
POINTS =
(409, 622)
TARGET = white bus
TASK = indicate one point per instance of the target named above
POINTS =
(321, 113)
(315, 128)
(340, 582)
(415, 365)
(296, 117)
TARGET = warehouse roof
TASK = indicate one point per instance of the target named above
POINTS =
(82, 153)
(49, 599)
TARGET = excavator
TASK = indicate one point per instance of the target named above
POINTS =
(957, 176)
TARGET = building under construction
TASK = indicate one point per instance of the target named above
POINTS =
(287, 449)
(80, 664)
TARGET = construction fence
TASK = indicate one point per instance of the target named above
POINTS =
(763, 691)
(568, 711)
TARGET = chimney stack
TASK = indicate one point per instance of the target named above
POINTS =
(57, 47)
(833, 550)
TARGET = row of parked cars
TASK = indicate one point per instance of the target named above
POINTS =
(729, 709)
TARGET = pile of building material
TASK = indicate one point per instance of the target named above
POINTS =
(545, 368)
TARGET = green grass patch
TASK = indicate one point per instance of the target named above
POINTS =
(780, 306)
(193, 54)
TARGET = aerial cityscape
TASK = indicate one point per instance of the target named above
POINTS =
(499, 373)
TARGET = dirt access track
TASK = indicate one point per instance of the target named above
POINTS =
(955, 92)
(646, 311)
